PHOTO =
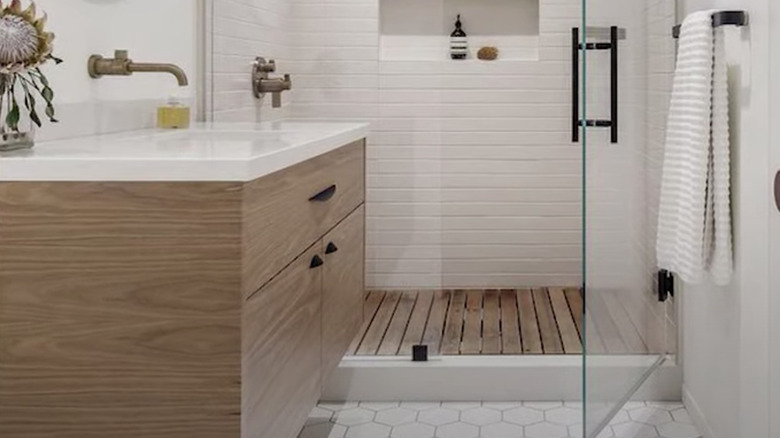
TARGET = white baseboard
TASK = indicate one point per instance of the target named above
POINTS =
(493, 378)
(697, 416)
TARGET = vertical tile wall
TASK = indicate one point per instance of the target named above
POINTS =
(240, 31)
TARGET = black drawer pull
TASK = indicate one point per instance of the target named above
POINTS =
(324, 195)
(316, 262)
(331, 248)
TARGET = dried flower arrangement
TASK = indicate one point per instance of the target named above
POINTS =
(24, 47)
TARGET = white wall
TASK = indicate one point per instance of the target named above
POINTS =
(151, 30)
(725, 329)
(774, 235)
(240, 31)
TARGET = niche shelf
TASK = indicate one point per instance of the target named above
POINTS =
(418, 30)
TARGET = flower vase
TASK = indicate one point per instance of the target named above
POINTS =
(20, 135)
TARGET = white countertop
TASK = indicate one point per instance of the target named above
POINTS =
(206, 152)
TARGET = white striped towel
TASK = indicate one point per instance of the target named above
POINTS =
(694, 224)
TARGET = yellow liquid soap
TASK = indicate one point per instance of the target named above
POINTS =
(174, 115)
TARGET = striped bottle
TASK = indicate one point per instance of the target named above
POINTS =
(459, 44)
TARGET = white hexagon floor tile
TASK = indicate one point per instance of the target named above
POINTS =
(379, 406)
(337, 406)
(461, 406)
(480, 416)
(438, 416)
(564, 416)
(396, 416)
(413, 430)
(420, 406)
(501, 430)
(546, 430)
(490, 420)
(678, 430)
(502, 406)
(651, 416)
(543, 406)
(633, 429)
(370, 430)
(354, 417)
(523, 416)
(323, 430)
(457, 430)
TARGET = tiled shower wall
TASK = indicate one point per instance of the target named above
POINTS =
(472, 177)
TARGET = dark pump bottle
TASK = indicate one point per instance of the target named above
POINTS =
(459, 45)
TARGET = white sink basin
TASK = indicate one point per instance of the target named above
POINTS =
(214, 152)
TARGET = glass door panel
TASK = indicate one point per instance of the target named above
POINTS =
(625, 51)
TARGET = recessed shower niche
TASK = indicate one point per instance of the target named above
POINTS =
(420, 29)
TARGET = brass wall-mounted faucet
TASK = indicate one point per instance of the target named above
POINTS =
(122, 65)
(262, 83)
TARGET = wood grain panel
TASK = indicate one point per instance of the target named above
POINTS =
(416, 328)
(491, 324)
(119, 310)
(485, 322)
(376, 332)
(450, 343)
(570, 338)
(370, 307)
(279, 220)
(282, 352)
(551, 338)
(391, 343)
(510, 330)
(574, 298)
(529, 326)
(434, 330)
(342, 289)
(472, 324)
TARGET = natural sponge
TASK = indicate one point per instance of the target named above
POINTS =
(488, 54)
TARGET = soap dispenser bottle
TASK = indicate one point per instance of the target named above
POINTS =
(459, 45)
(174, 115)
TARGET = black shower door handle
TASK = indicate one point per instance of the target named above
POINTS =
(612, 46)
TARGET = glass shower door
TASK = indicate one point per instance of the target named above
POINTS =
(625, 57)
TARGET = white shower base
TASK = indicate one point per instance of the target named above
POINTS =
(497, 378)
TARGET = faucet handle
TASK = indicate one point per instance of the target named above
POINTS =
(121, 54)
(264, 65)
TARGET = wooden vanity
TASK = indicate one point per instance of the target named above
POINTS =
(178, 309)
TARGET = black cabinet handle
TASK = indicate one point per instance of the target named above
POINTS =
(331, 248)
(316, 262)
(324, 195)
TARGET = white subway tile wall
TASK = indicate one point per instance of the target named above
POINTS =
(241, 30)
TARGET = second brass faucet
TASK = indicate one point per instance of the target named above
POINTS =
(262, 83)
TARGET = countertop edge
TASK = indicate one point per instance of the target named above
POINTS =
(174, 170)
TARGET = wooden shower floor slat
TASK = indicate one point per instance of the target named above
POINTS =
(471, 322)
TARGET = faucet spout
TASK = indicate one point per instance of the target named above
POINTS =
(122, 65)
(175, 70)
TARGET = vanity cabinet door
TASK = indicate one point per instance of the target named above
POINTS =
(286, 212)
(342, 288)
(281, 351)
